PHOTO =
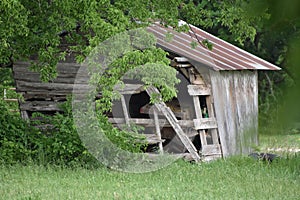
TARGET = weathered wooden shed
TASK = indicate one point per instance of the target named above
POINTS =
(215, 114)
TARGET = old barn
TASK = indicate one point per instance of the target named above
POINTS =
(214, 115)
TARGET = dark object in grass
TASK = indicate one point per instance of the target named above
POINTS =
(269, 157)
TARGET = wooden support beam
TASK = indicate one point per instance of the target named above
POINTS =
(197, 90)
(157, 130)
(197, 107)
(150, 122)
(211, 114)
(210, 107)
(202, 135)
(198, 111)
(205, 123)
(125, 111)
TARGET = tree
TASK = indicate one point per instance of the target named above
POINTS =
(52, 29)
(40, 27)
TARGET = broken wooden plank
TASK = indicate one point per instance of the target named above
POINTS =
(205, 123)
(161, 106)
(198, 90)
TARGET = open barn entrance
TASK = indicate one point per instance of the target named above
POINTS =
(141, 112)
(193, 114)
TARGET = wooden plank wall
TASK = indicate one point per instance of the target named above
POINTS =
(41, 96)
(235, 96)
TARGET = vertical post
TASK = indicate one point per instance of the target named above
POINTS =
(24, 115)
(125, 112)
(157, 130)
(198, 110)
(4, 95)
(214, 132)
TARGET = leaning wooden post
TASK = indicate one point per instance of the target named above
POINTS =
(157, 130)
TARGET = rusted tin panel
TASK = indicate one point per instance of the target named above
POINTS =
(223, 56)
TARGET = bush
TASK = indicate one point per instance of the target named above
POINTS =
(18, 141)
(21, 142)
(62, 144)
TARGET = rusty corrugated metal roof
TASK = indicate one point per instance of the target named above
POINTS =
(223, 56)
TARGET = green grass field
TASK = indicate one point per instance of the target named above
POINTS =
(231, 178)
(234, 178)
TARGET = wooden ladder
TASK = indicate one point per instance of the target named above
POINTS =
(205, 121)
(167, 112)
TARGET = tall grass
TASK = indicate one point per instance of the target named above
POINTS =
(234, 178)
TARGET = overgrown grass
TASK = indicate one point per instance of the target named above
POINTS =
(234, 178)
(280, 141)
(288, 141)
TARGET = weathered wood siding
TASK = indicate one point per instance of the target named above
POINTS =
(41, 96)
(236, 106)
